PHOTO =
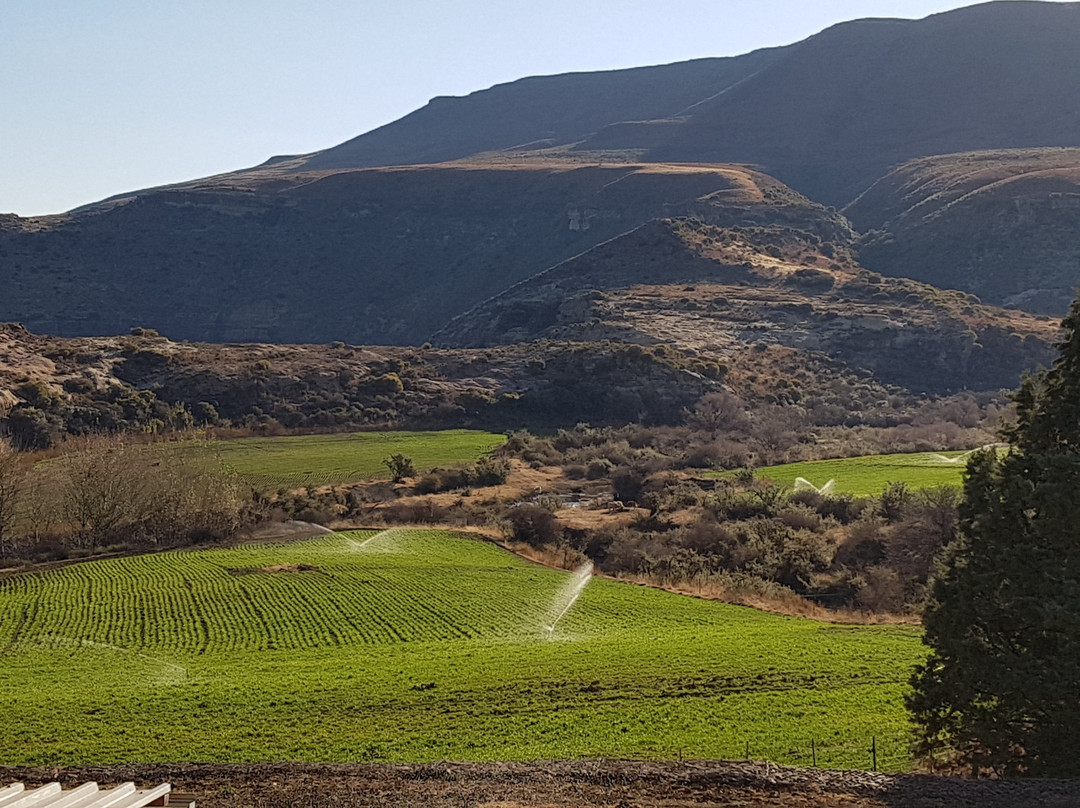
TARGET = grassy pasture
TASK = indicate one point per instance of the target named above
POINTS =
(419, 645)
(868, 476)
(294, 461)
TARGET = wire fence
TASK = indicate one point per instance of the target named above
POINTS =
(884, 752)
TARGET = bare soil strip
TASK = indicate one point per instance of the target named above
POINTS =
(590, 784)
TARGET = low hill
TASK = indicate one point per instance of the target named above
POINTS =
(378, 256)
(1003, 224)
(718, 292)
(53, 386)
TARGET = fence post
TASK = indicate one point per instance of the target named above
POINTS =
(813, 752)
(873, 750)
(747, 751)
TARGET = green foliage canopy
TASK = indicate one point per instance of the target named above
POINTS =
(1001, 687)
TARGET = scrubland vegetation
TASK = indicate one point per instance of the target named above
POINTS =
(665, 517)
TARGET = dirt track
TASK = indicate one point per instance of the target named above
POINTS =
(590, 784)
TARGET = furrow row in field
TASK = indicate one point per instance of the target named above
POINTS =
(205, 602)
(420, 645)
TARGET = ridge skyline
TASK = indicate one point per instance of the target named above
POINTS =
(97, 110)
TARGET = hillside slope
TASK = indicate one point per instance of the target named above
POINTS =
(1002, 224)
(381, 256)
(717, 292)
(540, 111)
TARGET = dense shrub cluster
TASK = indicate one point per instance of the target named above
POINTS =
(866, 553)
(485, 472)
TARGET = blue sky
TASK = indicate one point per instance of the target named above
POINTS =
(104, 96)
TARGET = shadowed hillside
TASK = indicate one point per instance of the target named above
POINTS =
(375, 256)
(716, 292)
(1002, 224)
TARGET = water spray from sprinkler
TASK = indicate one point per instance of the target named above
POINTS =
(568, 596)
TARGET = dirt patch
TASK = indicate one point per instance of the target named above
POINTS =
(596, 518)
(588, 784)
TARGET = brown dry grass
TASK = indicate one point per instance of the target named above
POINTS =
(598, 518)
(793, 606)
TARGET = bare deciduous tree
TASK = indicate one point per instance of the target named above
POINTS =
(101, 488)
(717, 412)
(13, 470)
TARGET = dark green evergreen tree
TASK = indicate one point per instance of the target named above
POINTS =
(1001, 687)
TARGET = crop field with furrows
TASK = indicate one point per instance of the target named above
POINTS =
(419, 645)
(295, 461)
(868, 476)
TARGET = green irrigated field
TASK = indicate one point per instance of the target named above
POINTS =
(419, 645)
(299, 460)
(868, 476)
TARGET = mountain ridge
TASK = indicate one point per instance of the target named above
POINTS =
(291, 251)
(933, 68)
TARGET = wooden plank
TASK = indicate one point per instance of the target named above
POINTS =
(88, 795)
(8, 793)
(140, 799)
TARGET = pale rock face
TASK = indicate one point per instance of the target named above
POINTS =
(580, 219)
